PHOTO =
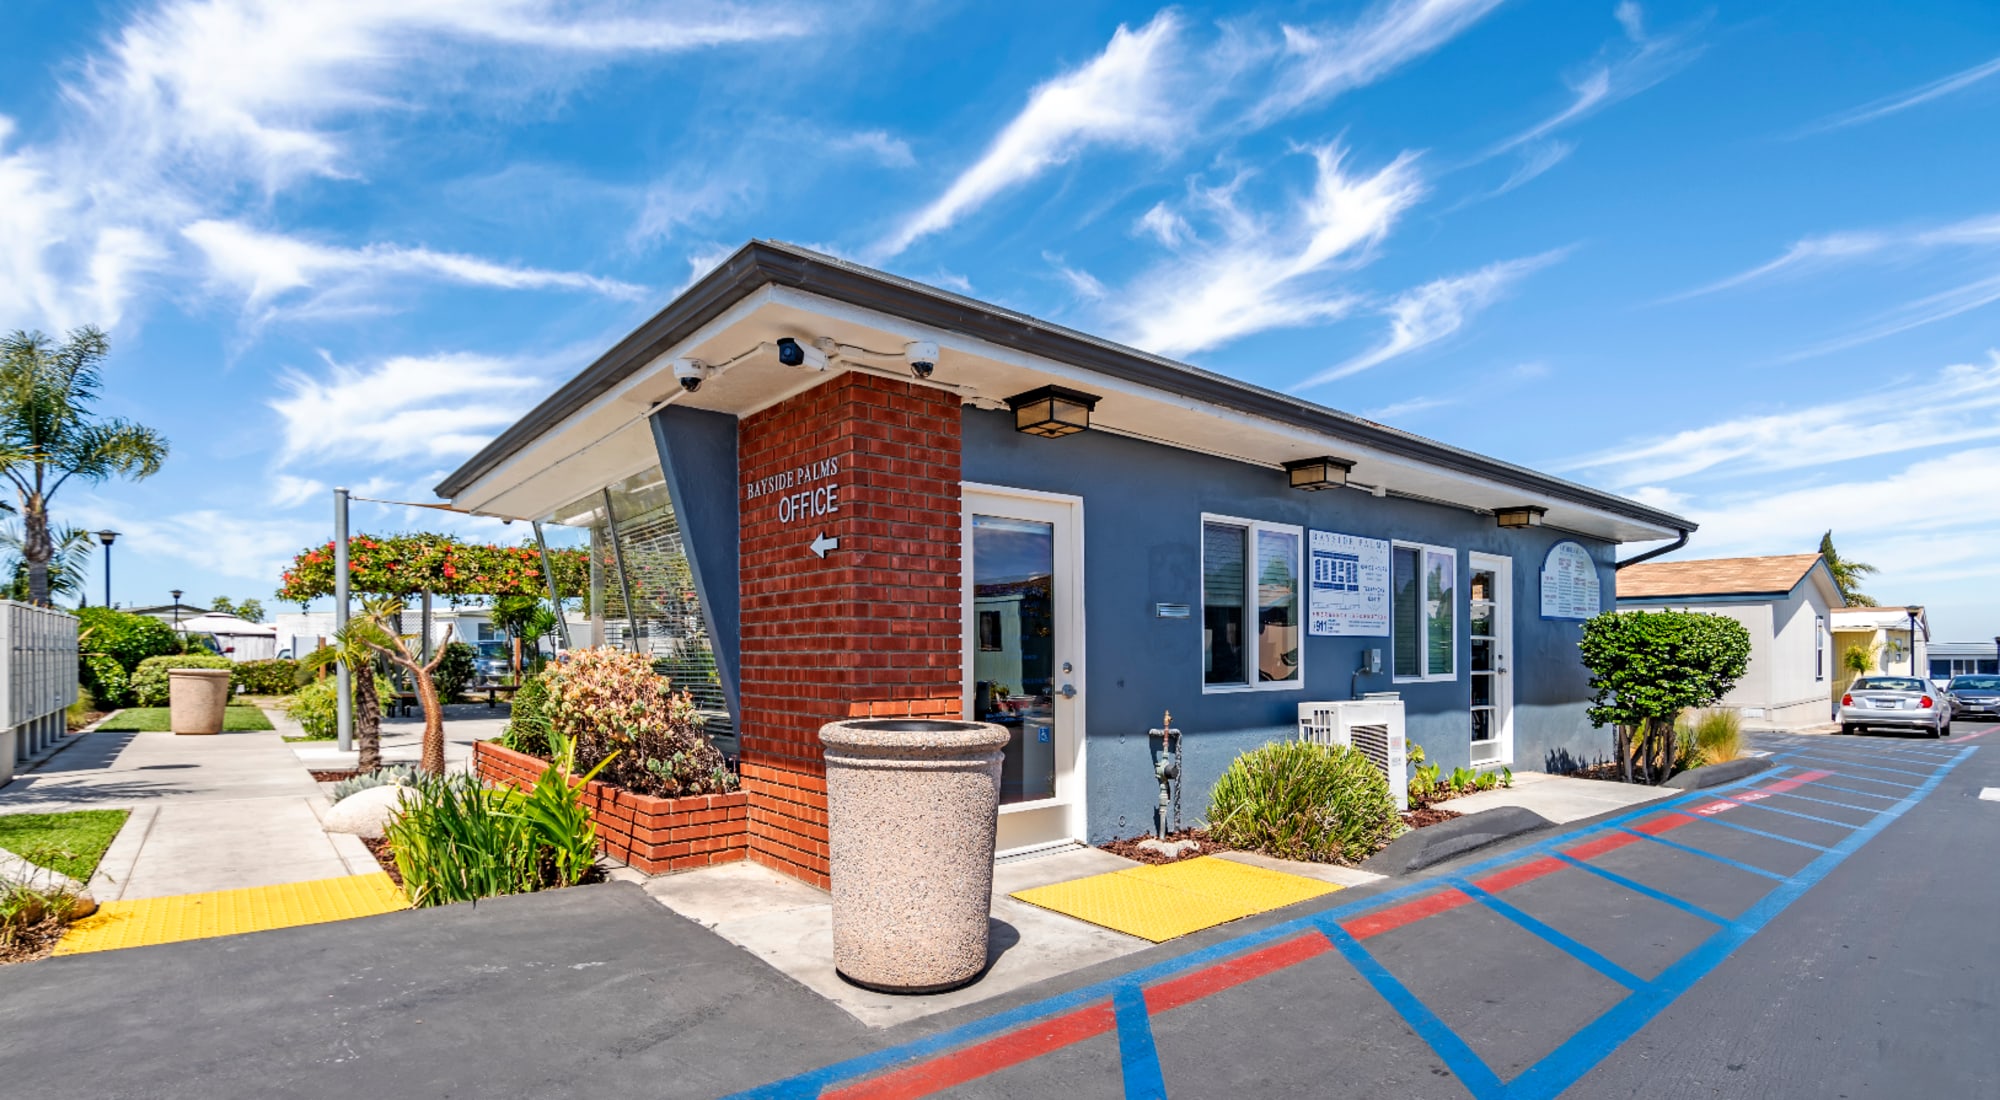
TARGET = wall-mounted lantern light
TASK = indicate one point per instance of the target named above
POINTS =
(1052, 411)
(1312, 474)
(1524, 515)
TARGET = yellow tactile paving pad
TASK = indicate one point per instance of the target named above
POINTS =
(148, 921)
(1174, 899)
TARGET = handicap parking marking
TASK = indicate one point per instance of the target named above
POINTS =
(1122, 1005)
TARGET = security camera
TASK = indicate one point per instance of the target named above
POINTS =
(922, 355)
(691, 373)
(794, 354)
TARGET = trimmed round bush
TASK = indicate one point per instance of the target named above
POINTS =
(124, 637)
(457, 668)
(528, 725)
(106, 680)
(149, 683)
(276, 676)
(621, 715)
(1298, 800)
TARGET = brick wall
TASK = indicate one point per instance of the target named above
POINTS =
(652, 834)
(871, 629)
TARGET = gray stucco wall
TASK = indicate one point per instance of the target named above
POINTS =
(1142, 528)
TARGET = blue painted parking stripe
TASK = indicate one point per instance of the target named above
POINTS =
(1138, 1059)
(1555, 938)
(1693, 851)
(1831, 802)
(1470, 1069)
(812, 1082)
(1825, 786)
(1641, 888)
(1858, 778)
(1872, 754)
(1759, 805)
(1756, 832)
(1819, 757)
(1583, 1051)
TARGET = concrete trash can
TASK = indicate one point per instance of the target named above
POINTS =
(912, 809)
(196, 699)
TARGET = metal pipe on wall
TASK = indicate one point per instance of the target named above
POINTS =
(344, 705)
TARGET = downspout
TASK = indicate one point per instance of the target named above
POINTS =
(1655, 552)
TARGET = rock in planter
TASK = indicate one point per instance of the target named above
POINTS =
(41, 880)
(912, 805)
(364, 813)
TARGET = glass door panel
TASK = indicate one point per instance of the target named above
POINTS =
(1013, 662)
(1490, 611)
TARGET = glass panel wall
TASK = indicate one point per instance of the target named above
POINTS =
(642, 594)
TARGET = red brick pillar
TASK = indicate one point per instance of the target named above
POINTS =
(873, 627)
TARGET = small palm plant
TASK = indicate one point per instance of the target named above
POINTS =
(356, 647)
(49, 436)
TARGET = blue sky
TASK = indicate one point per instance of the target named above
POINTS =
(1739, 260)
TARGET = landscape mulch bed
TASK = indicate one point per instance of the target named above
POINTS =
(1428, 815)
(337, 774)
(1129, 847)
(32, 942)
(1608, 772)
(385, 856)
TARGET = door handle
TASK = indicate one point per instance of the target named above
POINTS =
(1068, 691)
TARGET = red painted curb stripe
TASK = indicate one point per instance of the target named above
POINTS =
(977, 1061)
(1521, 875)
(1243, 968)
(1410, 912)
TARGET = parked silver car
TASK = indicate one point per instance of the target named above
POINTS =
(1895, 702)
(1974, 695)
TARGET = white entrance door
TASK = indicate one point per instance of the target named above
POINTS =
(1492, 661)
(1023, 615)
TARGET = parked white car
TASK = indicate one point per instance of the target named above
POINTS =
(1895, 702)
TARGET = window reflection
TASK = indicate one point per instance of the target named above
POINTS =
(1013, 663)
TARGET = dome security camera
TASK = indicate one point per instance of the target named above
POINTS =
(922, 355)
(691, 373)
(794, 354)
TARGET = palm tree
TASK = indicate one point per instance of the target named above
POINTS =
(69, 567)
(48, 434)
(356, 646)
(1846, 574)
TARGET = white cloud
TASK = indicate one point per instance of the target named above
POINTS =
(893, 152)
(1122, 97)
(194, 109)
(1397, 410)
(1319, 63)
(1164, 224)
(436, 406)
(1904, 100)
(1081, 283)
(704, 260)
(1435, 310)
(289, 491)
(1818, 253)
(1262, 272)
(266, 266)
(1960, 405)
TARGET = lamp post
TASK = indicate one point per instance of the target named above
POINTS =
(1913, 638)
(176, 593)
(107, 536)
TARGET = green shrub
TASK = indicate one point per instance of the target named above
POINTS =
(313, 707)
(110, 686)
(125, 637)
(456, 840)
(276, 676)
(458, 667)
(528, 727)
(149, 683)
(1299, 800)
(620, 712)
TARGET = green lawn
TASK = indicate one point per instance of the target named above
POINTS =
(156, 720)
(71, 843)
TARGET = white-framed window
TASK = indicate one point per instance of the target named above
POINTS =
(1252, 623)
(1819, 647)
(1423, 611)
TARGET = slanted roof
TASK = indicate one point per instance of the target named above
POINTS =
(1771, 576)
(594, 429)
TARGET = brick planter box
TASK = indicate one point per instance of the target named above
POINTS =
(639, 830)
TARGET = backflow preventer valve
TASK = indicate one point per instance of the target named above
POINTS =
(1166, 746)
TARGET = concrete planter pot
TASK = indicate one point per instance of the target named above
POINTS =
(912, 808)
(197, 698)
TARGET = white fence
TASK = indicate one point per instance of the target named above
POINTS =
(37, 679)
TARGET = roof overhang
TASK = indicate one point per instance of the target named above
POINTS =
(594, 430)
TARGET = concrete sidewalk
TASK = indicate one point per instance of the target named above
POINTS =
(208, 813)
(403, 738)
(1558, 798)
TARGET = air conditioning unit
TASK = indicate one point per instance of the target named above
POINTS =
(1371, 726)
